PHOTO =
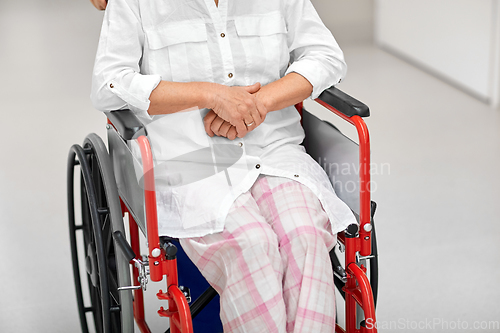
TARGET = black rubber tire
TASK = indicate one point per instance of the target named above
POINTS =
(106, 267)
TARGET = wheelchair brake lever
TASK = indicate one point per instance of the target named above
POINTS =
(143, 280)
(141, 265)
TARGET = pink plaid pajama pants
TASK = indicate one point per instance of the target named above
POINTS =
(271, 264)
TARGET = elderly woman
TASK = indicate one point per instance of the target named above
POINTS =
(215, 83)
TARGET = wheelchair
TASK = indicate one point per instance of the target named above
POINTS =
(117, 274)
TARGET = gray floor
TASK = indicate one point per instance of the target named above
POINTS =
(435, 171)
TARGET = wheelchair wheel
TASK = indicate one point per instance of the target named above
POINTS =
(106, 268)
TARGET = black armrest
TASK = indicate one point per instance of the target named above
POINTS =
(344, 103)
(126, 123)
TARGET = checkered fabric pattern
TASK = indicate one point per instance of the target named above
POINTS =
(271, 264)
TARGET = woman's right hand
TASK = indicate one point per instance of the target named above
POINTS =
(239, 107)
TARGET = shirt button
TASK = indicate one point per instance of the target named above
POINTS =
(240, 144)
(111, 85)
(223, 35)
(230, 75)
(258, 166)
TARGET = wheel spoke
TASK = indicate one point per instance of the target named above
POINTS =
(113, 285)
(105, 223)
(109, 248)
(114, 299)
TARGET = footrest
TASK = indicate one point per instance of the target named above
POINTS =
(166, 313)
(162, 296)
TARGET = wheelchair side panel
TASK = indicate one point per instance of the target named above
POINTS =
(125, 167)
(337, 154)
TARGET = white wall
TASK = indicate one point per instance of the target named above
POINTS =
(351, 21)
(456, 39)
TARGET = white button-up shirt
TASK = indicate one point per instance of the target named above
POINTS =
(238, 43)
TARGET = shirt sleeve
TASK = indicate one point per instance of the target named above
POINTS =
(314, 51)
(116, 81)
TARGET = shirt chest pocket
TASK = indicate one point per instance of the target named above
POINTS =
(264, 40)
(179, 52)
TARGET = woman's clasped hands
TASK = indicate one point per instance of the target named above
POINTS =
(235, 111)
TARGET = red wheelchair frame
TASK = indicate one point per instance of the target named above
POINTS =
(357, 240)
(358, 286)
